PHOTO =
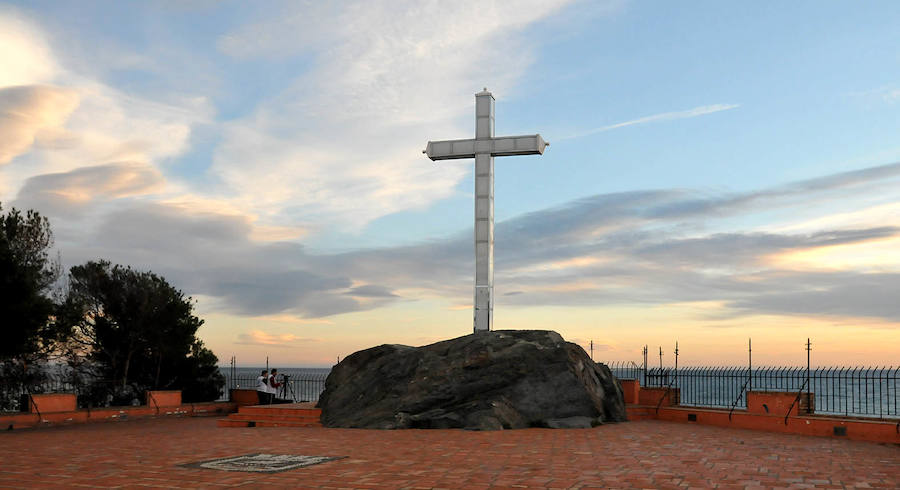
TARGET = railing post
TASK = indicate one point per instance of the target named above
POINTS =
(660, 359)
(750, 364)
(675, 379)
(808, 384)
(645, 365)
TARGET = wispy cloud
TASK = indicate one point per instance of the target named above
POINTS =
(665, 116)
(57, 121)
(64, 192)
(259, 337)
(29, 113)
(886, 93)
(647, 247)
(27, 57)
(378, 80)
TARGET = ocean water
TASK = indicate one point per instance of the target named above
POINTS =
(243, 372)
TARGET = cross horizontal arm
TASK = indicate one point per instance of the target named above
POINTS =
(531, 144)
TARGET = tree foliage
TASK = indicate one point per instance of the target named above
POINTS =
(138, 331)
(27, 274)
(114, 323)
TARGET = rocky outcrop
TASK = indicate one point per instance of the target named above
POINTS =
(505, 379)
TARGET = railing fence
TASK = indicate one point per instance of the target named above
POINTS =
(848, 391)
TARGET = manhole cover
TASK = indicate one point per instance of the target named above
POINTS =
(262, 463)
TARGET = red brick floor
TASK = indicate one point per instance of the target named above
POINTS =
(647, 454)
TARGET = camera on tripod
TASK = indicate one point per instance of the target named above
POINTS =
(287, 391)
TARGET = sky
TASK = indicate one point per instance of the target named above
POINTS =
(718, 171)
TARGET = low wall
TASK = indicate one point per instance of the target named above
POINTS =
(778, 403)
(51, 403)
(766, 410)
(810, 425)
(47, 410)
(243, 397)
(631, 388)
(652, 396)
(169, 398)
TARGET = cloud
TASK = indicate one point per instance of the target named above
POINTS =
(665, 116)
(387, 77)
(213, 254)
(26, 56)
(339, 144)
(845, 295)
(54, 120)
(259, 337)
(371, 291)
(631, 248)
(653, 247)
(886, 94)
(30, 112)
(58, 193)
(750, 248)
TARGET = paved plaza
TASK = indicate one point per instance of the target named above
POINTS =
(645, 454)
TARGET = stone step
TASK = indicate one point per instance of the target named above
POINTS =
(640, 412)
(286, 415)
(229, 422)
(275, 417)
(268, 410)
(283, 423)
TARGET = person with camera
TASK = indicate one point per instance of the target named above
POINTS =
(273, 387)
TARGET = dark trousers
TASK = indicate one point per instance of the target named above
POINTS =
(264, 398)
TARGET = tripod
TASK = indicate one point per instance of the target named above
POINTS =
(286, 388)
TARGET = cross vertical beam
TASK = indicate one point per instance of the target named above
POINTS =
(483, 149)
(484, 213)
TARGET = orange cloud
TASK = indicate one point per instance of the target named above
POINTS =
(28, 111)
(870, 255)
(258, 337)
(573, 263)
(24, 51)
(86, 184)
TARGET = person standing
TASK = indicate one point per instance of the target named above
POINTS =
(273, 386)
(262, 387)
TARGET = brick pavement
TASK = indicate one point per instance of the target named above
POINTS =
(645, 454)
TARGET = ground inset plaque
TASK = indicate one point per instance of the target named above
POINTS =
(262, 463)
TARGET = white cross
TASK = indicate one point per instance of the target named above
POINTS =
(483, 149)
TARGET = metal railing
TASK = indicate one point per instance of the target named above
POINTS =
(302, 387)
(849, 391)
(92, 393)
(627, 370)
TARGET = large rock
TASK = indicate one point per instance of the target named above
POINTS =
(505, 379)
